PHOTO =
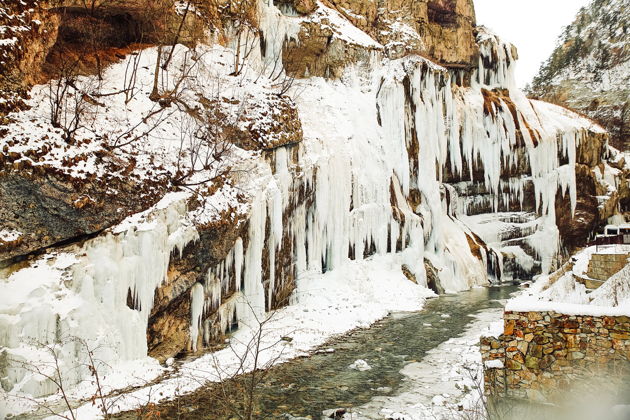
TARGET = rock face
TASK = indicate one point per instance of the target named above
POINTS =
(576, 226)
(40, 35)
(168, 332)
(449, 34)
(30, 33)
(47, 206)
(440, 29)
(589, 70)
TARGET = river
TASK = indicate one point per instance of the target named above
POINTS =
(305, 387)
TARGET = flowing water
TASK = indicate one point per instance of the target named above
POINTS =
(307, 386)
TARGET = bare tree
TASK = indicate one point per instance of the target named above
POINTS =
(203, 150)
(88, 365)
(52, 370)
(71, 99)
(485, 405)
(130, 80)
(238, 388)
(241, 19)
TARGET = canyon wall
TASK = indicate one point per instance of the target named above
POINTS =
(400, 133)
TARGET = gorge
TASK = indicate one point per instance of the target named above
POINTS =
(219, 165)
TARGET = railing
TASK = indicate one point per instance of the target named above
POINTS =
(606, 242)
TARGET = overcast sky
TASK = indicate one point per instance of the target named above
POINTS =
(532, 25)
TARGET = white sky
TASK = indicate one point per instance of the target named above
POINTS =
(532, 25)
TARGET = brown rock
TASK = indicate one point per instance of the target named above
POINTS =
(509, 327)
(301, 6)
(619, 335)
(535, 350)
(574, 228)
(547, 362)
(576, 355)
(513, 365)
(532, 362)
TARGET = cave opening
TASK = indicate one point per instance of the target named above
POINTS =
(443, 12)
(88, 40)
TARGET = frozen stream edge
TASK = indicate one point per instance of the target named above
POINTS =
(436, 387)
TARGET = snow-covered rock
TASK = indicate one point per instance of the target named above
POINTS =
(360, 365)
(590, 69)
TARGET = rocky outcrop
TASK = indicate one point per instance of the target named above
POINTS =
(168, 332)
(263, 123)
(325, 45)
(45, 206)
(588, 71)
(440, 29)
(204, 262)
(595, 203)
(449, 35)
(41, 36)
(575, 228)
(29, 31)
(303, 7)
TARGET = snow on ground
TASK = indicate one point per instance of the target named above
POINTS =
(147, 139)
(555, 116)
(444, 383)
(329, 304)
(566, 295)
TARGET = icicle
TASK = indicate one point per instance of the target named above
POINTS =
(196, 312)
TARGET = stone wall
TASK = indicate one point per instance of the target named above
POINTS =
(604, 266)
(542, 354)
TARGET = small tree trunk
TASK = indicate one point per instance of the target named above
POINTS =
(155, 93)
(237, 58)
(177, 35)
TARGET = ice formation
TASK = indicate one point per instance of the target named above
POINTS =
(101, 293)
(368, 178)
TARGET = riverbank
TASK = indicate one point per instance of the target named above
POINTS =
(414, 364)
(332, 304)
(328, 305)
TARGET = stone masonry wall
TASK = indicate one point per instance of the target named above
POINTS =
(540, 354)
(604, 266)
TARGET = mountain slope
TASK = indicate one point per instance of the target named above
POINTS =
(590, 70)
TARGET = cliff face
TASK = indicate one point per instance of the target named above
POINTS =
(222, 188)
(589, 70)
(440, 29)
